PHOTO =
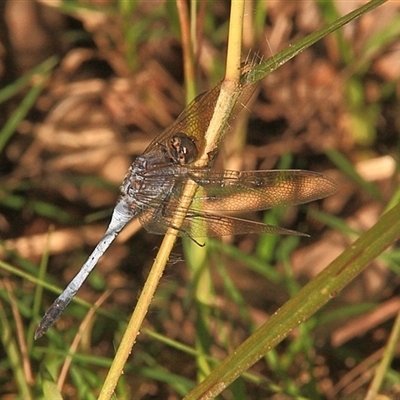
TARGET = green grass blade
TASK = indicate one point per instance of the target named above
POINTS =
(26, 104)
(21, 83)
(53, 288)
(43, 208)
(333, 222)
(10, 346)
(347, 168)
(310, 299)
(50, 390)
(389, 34)
(38, 296)
(262, 70)
(387, 358)
(330, 14)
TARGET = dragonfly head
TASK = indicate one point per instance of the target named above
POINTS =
(182, 148)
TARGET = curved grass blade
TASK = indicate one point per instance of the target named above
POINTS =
(297, 310)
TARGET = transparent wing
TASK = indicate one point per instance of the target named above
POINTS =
(240, 190)
(258, 190)
(231, 191)
(195, 118)
(201, 224)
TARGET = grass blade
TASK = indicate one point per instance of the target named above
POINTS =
(310, 299)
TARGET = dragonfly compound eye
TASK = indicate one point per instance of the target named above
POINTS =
(182, 148)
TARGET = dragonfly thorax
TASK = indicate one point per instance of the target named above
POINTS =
(150, 179)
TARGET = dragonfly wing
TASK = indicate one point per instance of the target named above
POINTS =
(196, 223)
(208, 224)
(257, 190)
(231, 191)
(195, 118)
(157, 221)
(202, 224)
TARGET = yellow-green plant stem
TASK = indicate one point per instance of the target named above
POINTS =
(197, 262)
(137, 318)
(233, 58)
(228, 95)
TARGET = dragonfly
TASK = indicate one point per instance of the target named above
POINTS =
(153, 191)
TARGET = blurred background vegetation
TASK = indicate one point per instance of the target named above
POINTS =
(85, 86)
